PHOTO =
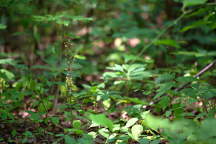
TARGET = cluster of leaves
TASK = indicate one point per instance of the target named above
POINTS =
(107, 71)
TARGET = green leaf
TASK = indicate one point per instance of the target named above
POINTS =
(45, 105)
(144, 141)
(86, 139)
(104, 132)
(136, 131)
(9, 75)
(35, 116)
(116, 67)
(165, 78)
(167, 42)
(164, 102)
(61, 19)
(7, 61)
(185, 79)
(69, 140)
(2, 26)
(164, 87)
(136, 72)
(194, 25)
(188, 3)
(76, 124)
(196, 54)
(131, 122)
(102, 120)
(55, 120)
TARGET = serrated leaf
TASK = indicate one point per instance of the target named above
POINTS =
(131, 122)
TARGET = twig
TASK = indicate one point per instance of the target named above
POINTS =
(200, 73)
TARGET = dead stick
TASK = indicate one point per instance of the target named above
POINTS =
(205, 69)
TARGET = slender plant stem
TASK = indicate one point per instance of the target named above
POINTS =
(162, 33)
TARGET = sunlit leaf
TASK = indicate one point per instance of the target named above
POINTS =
(102, 120)
(2, 26)
(131, 122)
(136, 131)
(7, 61)
(193, 2)
(9, 75)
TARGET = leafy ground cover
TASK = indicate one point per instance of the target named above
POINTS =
(107, 72)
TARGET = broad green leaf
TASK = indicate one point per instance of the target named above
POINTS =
(93, 134)
(144, 141)
(55, 120)
(35, 116)
(7, 61)
(131, 122)
(196, 24)
(137, 101)
(168, 42)
(7, 73)
(136, 131)
(104, 132)
(102, 120)
(207, 128)
(45, 106)
(164, 102)
(193, 2)
(2, 26)
(69, 140)
(85, 139)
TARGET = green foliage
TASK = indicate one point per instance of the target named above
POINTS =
(98, 71)
(182, 131)
(193, 2)
(101, 119)
(129, 72)
(136, 131)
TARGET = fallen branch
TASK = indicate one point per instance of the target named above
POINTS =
(200, 73)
